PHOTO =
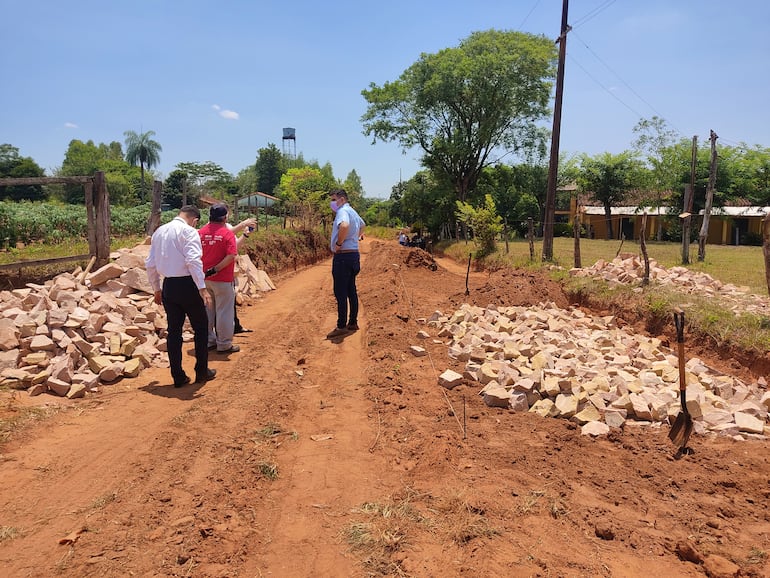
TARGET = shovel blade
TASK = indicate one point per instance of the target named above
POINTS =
(681, 430)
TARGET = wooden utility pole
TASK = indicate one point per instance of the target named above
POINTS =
(704, 228)
(689, 194)
(553, 165)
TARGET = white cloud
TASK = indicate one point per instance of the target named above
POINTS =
(224, 113)
(229, 114)
(70, 125)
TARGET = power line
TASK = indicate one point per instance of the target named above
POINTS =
(531, 10)
(592, 13)
(608, 91)
(628, 86)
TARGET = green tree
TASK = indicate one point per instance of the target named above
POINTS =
(352, 184)
(270, 166)
(85, 158)
(750, 172)
(653, 137)
(143, 150)
(13, 165)
(484, 221)
(208, 179)
(608, 178)
(462, 104)
(174, 190)
(306, 190)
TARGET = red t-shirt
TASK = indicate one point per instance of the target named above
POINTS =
(218, 241)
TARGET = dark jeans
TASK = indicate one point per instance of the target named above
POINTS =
(345, 267)
(181, 298)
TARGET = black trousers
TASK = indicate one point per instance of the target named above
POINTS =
(345, 268)
(181, 298)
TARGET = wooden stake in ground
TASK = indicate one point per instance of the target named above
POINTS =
(704, 228)
(766, 248)
(576, 235)
(689, 194)
(643, 246)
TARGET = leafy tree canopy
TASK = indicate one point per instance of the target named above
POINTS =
(85, 158)
(461, 104)
(269, 168)
(13, 165)
(608, 178)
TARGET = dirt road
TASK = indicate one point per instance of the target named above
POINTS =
(306, 458)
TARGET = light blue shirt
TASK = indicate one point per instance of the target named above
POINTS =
(347, 214)
(175, 252)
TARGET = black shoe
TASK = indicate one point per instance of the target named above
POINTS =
(182, 382)
(337, 332)
(240, 329)
(352, 326)
(208, 376)
(232, 349)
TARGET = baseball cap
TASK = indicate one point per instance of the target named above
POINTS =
(217, 211)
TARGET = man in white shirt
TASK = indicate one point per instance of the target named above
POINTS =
(176, 257)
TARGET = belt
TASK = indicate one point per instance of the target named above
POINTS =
(346, 251)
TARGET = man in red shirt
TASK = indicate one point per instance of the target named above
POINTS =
(219, 252)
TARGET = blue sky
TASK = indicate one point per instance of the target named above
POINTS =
(216, 81)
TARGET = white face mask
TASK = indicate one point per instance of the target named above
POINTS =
(333, 205)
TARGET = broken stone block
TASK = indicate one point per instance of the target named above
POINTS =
(42, 343)
(519, 401)
(566, 405)
(496, 396)
(417, 351)
(544, 408)
(748, 423)
(77, 390)
(588, 413)
(132, 368)
(111, 372)
(60, 388)
(450, 379)
(595, 428)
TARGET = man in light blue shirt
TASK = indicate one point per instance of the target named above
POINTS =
(347, 230)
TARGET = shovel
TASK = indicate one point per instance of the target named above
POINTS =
(682, 428)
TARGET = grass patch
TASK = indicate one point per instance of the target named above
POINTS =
(268, 471)
(741, 266)
(16, 418)
(382, 530)
(270, 430)
(756, 556)
(9, 533)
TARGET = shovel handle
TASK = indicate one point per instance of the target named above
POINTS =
(679, 323)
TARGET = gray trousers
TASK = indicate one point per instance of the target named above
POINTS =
(221, 321)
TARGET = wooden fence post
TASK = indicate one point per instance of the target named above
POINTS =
(88, 192)
(101, 202)
(153, 222)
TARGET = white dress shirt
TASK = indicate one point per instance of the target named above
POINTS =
(175, 252)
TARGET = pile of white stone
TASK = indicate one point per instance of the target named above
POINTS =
(82, 329)
(565, 363)
(628, 269)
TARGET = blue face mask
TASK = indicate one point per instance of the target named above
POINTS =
(333, 205)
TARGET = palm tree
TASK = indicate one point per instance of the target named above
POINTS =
(141, 149)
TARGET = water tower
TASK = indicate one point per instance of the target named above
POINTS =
(289, 143)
